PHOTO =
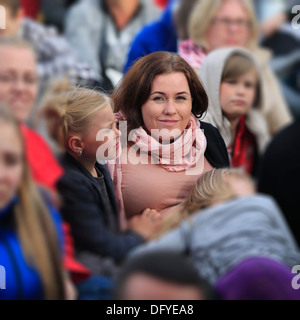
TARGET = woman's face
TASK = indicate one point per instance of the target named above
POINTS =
(11, 163)
(18, 80)
(168, 107)
(229, 27)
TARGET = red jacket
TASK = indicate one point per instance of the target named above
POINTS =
(31, 8)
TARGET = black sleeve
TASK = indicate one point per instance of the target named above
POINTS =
(81, 209)
(216, 151)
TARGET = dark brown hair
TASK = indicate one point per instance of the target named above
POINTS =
(135, 87)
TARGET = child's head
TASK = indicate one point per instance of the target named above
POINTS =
(81, 121)
(217, 186)
(239, 90)
(212, 188)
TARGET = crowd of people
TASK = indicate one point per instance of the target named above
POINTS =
(149, 150)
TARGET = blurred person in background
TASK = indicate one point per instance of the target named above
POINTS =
(101, 31)
(216, 24)
(279, 174)
(163, 34)
(19, 83)
(30, 227)
(53, 13)
(279, 35)
(231, 78)
(223, 221)
(55, 56)
(19, 90)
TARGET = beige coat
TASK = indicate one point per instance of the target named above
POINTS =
(274, 107)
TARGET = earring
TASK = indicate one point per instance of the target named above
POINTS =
(79, 153)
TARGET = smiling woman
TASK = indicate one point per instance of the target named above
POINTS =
(161, 97)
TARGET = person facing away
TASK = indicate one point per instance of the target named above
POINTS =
(232, 81)
(157, 104)
(222, 222)
(153, 276)
(82, 122)
(30, 227)
(215, 24)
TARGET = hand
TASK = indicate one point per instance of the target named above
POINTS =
(146, 223)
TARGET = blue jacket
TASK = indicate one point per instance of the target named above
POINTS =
(20, 280)
(157, 36)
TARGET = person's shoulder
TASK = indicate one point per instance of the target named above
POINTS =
(152, 11)
(208, 128)
(216, 151)
(262, 55)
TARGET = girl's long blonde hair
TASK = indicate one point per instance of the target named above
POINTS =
(211, 188)
(35, 228)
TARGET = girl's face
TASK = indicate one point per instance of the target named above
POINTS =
(101, 141)
(169, 105)
(11, 163)
(237, 95)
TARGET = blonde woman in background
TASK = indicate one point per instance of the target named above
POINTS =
(216, 24)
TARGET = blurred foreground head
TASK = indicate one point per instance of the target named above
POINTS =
(161, 275)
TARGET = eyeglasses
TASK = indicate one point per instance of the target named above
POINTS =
(29, 80)
(225, 22)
